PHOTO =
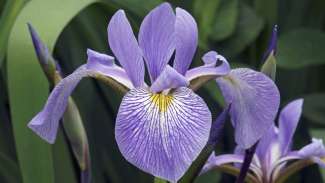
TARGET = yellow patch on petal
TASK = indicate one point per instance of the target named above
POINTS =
(161, 101)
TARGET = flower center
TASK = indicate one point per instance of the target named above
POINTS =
(161, 101)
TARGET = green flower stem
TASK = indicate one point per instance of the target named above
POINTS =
(293, 168)
(197, 165)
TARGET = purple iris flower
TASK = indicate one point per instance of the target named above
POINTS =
(254, 100)
(274, 149)
(160, 128)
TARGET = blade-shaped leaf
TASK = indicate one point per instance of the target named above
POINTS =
(8, 16)
(28, 87)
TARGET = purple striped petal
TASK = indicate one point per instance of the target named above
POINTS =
(255, 101)
(156, 38)
(288, 121)
(162, 134)
(45, 123)
(169, 78)
(125, 47)
(186, 35)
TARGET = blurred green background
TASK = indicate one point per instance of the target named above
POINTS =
(237, 29)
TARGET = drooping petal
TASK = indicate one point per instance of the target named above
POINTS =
(186, 35)
(125, 47)
(214, 161)
(156, 38)
(288, 121)
(46, 122)
(234, 159)
(316, 149)
(169, 78)
(255, 100)
(162, 134)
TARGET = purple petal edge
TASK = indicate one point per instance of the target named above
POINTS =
(186, 35)
(46, 123)
(168, 79)
(157, 39)
(288, 122)
(255, 101)
(125, 47)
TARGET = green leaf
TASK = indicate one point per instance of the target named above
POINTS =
(301, 48)
(248, 28)
(205, 13)
(7, 20)
(314, 108)
(28, 89)
(225, 20)
(9, 170)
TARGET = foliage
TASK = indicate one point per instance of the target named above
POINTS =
(240, 30)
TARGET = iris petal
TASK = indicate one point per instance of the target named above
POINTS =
(255, 101)
(156, 38)
(45, 123)
(316, 148)
(169, 78)
(125, 47)
(186, 35)
(162, 134)
(288, 121)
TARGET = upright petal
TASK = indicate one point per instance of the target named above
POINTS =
(162, 134)
(125, 47)
(254, 102)
(288, 121)
(169, 78)
(186, 36)
(269, 151)
(156, 38)
(46, 122)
